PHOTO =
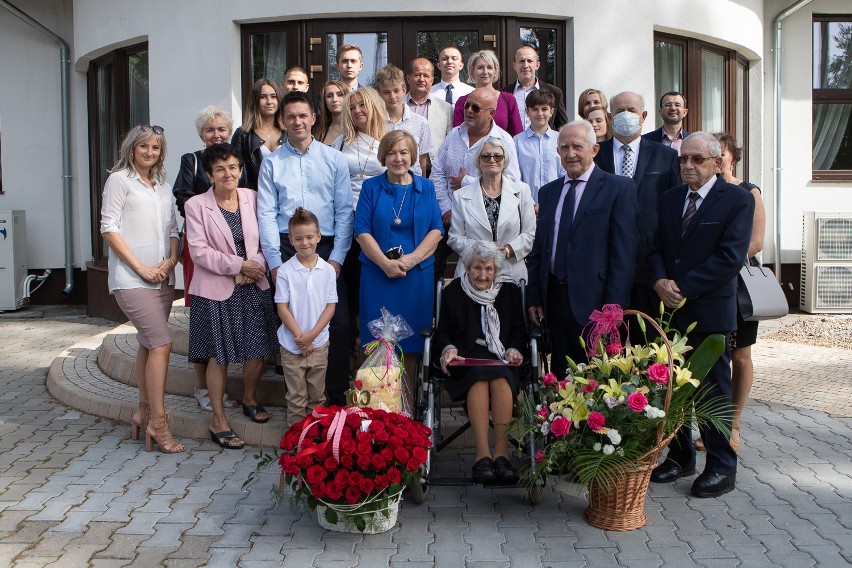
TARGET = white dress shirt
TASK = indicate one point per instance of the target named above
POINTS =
(459, 89)
(521, 93)
(702, 192)
(618, 153)
(145, 218)
(307, 291)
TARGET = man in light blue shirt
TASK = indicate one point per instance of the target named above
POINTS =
(538, 159)
(304, 172)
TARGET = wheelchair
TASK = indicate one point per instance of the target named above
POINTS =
(428, 407)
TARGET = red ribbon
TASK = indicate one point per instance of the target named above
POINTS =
(605, 322)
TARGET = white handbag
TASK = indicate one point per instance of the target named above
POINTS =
(759, 294)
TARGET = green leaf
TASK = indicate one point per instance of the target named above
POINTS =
(359, 523)
(703, 359)
(331, 515)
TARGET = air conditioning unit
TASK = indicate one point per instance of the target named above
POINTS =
(826, 271)
(13, 259)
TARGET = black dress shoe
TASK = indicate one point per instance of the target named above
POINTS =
(483, 472)
(670, 470)
(505, 471)
(711, 484)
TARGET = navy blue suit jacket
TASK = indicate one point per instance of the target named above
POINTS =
(657, 135)
(705, 263)
(656, 172)
(602, 249)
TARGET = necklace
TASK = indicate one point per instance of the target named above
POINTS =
(367, 159)
(485, 191)
(396, 214)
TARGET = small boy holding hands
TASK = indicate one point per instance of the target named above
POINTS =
(537, 157)
(390, 83)
(305, 297)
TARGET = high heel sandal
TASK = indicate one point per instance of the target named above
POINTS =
(160, 434)
(139, 420)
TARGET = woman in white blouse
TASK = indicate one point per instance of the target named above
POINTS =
(138, 223)
(495, 209)
(364, 123)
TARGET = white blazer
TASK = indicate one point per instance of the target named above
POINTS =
(515, 224)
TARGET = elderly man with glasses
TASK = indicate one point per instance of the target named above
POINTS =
(702, 240)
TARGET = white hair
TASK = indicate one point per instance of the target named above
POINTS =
(483, 251)
(587, 127)
(714, 147)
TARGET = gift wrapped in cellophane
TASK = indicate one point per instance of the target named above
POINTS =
(380, 382)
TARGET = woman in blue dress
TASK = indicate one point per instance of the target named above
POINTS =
(398, 225)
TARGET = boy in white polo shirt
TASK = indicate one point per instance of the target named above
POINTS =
(305, 296)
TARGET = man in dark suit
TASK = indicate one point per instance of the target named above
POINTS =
(672, 110)
(526, 65)
(654, 169)
(584, 250)
(702, 240)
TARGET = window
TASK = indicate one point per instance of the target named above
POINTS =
(118, 100)
(715, 82)
(832, 98)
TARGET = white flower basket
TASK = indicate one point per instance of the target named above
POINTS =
(375, 522)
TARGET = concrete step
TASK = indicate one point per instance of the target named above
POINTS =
(118, 354)
(76, 380)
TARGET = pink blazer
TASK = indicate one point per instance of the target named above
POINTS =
(212, 248)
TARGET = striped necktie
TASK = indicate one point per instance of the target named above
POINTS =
(689, 213)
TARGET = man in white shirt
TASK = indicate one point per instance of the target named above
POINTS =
(420, 101)
(450, 64)
(455, 165)
(526, 65)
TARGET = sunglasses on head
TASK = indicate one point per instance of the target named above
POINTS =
(697, 160)
(147, 127)
(474, 107)
(488, 157)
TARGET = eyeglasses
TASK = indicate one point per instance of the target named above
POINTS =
(147, 127)
(488, 157)
(697, 160)
(474, 107)
(672, 105)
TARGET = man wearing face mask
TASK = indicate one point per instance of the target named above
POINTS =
(653, 168)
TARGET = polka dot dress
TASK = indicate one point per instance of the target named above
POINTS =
(237, 329)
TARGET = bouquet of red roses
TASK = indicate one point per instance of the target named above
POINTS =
(353, 462)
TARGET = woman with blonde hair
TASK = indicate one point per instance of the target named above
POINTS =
(330, 120)
(591, 98)
(262, 131)
(483, 68)
(138, 223)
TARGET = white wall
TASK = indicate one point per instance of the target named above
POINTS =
(194, 49)
(798, 192)
(32, 149)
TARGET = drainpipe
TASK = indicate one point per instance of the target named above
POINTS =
(65, 106)
(776, 221)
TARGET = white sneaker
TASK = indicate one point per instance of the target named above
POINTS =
(203, 399)
(229, 402)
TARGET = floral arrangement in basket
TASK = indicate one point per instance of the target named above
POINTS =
(605, 416)
(352, 463)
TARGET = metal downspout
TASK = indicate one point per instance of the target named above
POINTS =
(65, 106)
(776, 221)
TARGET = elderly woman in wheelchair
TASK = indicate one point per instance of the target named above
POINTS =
(480, 338)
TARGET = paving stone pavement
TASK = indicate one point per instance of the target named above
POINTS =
(75, 491)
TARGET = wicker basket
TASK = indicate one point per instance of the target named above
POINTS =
(621, 507)
(376, 522)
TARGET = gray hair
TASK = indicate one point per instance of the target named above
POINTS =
(210, 112)
(483, 251)
(125, 153)
(621, 94)
(488, 56)
(589, 130)
(497, 143)
(714, 147)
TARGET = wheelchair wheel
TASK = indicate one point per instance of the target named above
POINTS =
(420, 489)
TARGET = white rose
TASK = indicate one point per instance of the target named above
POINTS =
(608, 449)
(614, 436)
(545, 429)
(611, 401)
(597, 447)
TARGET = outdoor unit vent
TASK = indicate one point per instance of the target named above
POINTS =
(13, 259)
(826, 277)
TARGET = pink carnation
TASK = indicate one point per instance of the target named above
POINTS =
(593, 384)
(548, 379)
(658, 373)
(596, 421)
(613, 349)
(543, 413)
(539, 456)
(560, 426)
(564, 384)
(637, 402)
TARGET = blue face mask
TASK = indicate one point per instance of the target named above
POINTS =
(626, 123)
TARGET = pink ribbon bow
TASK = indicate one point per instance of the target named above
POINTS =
(335, 431)
(605, 322)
